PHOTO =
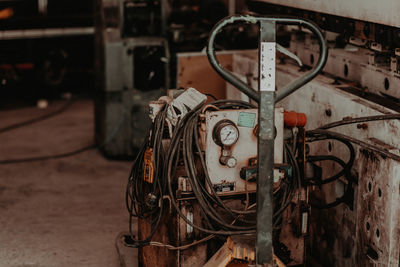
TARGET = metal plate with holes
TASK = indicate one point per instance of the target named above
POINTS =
(267, 60)
(359, 65)
(368, 234)
(341, 234)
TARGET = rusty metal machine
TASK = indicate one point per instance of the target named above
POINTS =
(279, 176)
(359, 89)
(196, 180)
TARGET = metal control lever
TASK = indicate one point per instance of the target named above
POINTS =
(289, 88)
(266, 99)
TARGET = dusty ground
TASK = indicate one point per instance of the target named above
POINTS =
(62, 212)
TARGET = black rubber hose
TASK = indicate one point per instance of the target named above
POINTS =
(360, 120)
(323, 135)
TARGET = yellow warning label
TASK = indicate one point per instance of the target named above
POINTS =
(148, 166)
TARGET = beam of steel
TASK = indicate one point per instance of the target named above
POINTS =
(266, 110)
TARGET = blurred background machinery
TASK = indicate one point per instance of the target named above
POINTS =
(46, 46)
(132, 68)
(136, 46)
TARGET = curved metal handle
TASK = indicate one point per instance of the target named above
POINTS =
(289, 88)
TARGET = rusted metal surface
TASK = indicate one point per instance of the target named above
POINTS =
(339, 236)
(359, 65)
(378, 213)
(336, 232)
(174, 231)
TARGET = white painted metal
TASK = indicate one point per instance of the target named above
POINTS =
(237, 69)
(267, 63)
(352, 237)
(382, 12)
(354, 64)
(244, 149)
(376, 196)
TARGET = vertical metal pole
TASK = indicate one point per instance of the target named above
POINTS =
(266, 112)
(232, 7)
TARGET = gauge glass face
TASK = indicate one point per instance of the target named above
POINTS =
(228, 135)
(231, 163)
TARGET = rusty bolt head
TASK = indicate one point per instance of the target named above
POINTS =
(363, 126)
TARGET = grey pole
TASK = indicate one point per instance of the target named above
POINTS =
(266, 112)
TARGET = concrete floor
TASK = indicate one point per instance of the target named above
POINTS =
(63, 212)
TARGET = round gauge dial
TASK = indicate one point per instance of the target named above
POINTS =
(226, 133)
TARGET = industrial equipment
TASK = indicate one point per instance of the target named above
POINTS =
(230, 140)
(132, 68)
(45, 45)
(279, 176)
(197, 175)
(359, 89)
(133, 41)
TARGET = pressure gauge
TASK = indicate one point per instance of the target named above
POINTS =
(225, 133)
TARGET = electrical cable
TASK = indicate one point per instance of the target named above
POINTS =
(319, 135)
(121, 258)
(208, 180)
(143, 199)
(173, 155)
(346, 121)
(372, 147)
(159, 244)
(184, 152)
(329, 158)
(65, 154)
(185, 149)
(38, 119)
(48, 157)
(211, 96)
(191, 171)
(322, 133)
(289, 190)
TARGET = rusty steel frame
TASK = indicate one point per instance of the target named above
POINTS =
(365, 233)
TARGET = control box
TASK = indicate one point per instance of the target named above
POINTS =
(230, 145)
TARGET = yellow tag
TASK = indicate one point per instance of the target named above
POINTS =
(148, 166)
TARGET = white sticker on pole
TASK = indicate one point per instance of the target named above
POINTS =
(267, 66)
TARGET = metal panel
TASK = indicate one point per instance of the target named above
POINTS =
(117, 62)
(340, 236)
(355, 64)
(121, 110)
(243, 150)
(382, 12)
(366, 233)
